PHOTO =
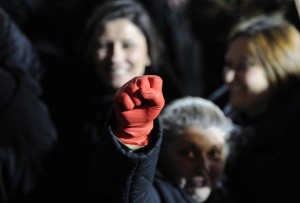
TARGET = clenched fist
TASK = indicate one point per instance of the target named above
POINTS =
(137, 103)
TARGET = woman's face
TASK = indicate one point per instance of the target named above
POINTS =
(121, 54)
(246, 79)
(196, 160)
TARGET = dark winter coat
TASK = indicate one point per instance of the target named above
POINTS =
(263, 167)
(27, 135)
(121, 176)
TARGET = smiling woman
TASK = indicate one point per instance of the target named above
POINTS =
(262, 74)
(121, 54)
(120, 36)
(247, 81)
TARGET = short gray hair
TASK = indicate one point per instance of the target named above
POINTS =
(188, 111)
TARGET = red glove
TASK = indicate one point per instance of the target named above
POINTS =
(137, 103)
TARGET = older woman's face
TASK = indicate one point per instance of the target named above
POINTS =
(121, 54)
(246, 79)
(196, 160)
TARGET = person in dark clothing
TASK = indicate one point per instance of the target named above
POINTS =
(27, 139)
(119, 43)
(17, 51)
(27, 135)
(194, 150)
(110, 60)
(190, 154)
(262, 74)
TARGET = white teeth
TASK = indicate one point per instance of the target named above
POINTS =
(119, 71)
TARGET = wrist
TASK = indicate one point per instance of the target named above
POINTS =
(134, 135)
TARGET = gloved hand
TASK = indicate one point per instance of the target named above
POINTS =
(137, 103)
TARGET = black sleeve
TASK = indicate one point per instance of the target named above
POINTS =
(27, 137)
(121, 176)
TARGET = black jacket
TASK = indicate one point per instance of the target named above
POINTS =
(27, 135)
(121, 176)
(27, 138)
(263, 166)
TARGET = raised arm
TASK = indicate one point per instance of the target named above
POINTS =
(118, 174)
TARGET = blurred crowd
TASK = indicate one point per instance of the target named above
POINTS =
(59, 69)
(194, 32)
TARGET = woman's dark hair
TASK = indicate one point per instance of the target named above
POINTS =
(138, 15)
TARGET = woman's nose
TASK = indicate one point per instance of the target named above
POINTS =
(117, 53)
(202, 165)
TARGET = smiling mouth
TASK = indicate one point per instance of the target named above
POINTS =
(118, 72)
(201, 194)
(196, 182)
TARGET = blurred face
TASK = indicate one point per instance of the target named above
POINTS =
(246, 79)
(196, 160)
(121, 53)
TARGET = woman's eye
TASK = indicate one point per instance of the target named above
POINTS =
(215, 153)
(241, 66)
(245, 65)
(187, 153)
(128, 45)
